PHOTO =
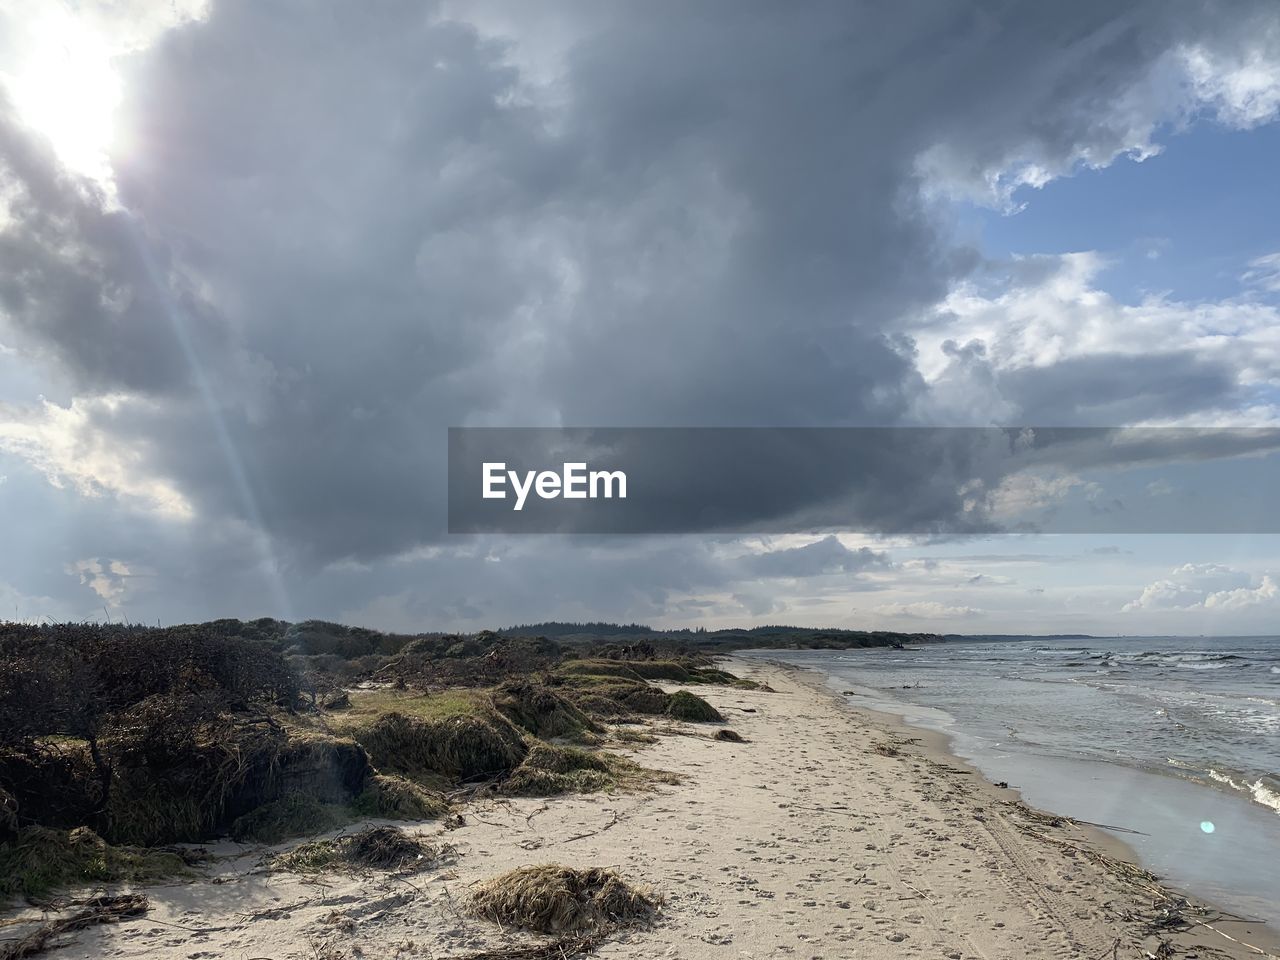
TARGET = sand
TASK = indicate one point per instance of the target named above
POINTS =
(824, 836)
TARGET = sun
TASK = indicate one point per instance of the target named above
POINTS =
(66, 89)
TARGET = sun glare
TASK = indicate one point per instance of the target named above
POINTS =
(66, 89)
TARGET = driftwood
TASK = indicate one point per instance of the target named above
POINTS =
(94, 911)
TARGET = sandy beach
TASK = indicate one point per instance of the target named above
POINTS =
(831, 832)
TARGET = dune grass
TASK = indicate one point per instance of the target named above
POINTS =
(39, 860)
(684, 705)
(396, 798)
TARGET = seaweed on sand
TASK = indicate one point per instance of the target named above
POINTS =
(551, 898)
(376, 848)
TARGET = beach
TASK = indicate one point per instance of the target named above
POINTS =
(831, 832)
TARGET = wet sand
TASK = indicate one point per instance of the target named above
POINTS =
(834, 832)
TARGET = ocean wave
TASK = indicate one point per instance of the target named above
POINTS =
(1258, 791)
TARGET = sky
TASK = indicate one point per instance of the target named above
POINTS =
(257, 257)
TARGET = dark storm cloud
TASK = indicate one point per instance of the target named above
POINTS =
(367, 224)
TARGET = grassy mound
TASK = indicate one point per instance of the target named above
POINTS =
(684, 705)
(597, 668)
(194, 782)
(548, 771)
(542, 711)
(377, 848)
(614, 697)
(675, 670)
(395, 798)
(39, 860)
(460, 747)
(555, 899)
(297, 815)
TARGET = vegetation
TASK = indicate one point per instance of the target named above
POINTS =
(37, 861)
(395, 798)
(118, 737)
(689, 706)
(379, 848)
(461, 747)
(557, 899)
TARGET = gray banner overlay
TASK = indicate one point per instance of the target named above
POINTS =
(907, 480)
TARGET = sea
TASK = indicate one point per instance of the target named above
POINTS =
(1172, 742)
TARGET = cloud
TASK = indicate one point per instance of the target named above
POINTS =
(927, 610)
(75, 445)
(472, 214)
(1264, 273)
(113, 581)
(1206, 586)
(1044, 344)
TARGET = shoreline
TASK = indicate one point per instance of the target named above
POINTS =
(832, 831)
(937, 745)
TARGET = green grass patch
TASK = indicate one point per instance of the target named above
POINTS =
(367, 705)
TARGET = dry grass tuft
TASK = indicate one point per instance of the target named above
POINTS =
(556, 899)
(542, 711)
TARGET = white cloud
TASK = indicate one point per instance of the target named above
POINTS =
(1205, 586)
(112, 580)
(1044, 337)
(1242, 88)
(71, 446)
(1264, 273)
(927, 610)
